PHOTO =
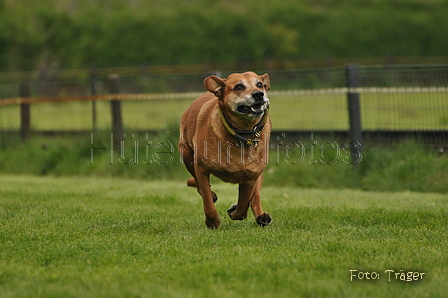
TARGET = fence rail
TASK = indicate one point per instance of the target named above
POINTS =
(394, 100)
(181, 95)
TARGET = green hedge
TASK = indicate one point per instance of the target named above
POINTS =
(405, 167)
(122, 33)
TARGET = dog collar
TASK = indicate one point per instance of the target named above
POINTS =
(238, 134)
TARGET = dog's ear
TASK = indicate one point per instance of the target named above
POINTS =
(214, 84)
(266, 81)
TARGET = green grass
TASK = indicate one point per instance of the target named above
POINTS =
(92, 237)
(306, 112)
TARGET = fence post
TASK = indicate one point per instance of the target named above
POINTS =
(117, 121)
(93, 93)
(25, 126)
(354, 110)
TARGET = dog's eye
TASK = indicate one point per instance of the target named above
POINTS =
(239, 87)
(259, 85)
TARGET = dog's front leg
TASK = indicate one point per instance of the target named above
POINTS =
(255, 202)
(249, 194)
(239, 211)
(262, 218)
(212, 219)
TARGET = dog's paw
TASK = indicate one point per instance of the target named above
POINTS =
(230, 210)
(212, 221)
(264, 219)
(214, 197)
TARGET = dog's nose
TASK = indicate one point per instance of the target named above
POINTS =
(258, 95)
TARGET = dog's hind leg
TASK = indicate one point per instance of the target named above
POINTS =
(192, 183)
(188, 159)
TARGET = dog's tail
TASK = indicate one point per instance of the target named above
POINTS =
(191, 182)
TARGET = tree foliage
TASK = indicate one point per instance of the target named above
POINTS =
(87, 33)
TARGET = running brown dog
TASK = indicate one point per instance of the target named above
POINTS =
(226, 132)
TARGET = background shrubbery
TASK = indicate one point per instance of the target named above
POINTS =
(405, 167)
(86, 33)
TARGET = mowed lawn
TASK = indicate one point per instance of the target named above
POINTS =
(92, 237)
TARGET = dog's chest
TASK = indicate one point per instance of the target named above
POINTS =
(232, 162)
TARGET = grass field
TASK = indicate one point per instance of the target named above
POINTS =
(304, 112)
(110, 237)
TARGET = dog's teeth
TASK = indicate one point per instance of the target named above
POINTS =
(255, 109)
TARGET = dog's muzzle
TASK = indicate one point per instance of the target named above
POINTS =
(257, 105)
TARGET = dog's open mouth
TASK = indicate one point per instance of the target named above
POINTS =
(253, 109)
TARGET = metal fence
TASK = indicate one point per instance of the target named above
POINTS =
(395, 101)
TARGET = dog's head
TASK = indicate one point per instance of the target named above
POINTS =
(242, 94)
